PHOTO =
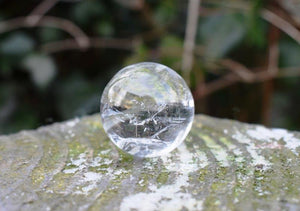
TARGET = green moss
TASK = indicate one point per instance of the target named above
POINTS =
(75, 149)
(106, 197)
(48, 162)
(162, 178)
(59, 183)
(218, 186)
(212, 203)
(227, 143)
(269, 181)
(125, 157)
(94, 124)
(202, 174)
(112, 190)
(143, 182)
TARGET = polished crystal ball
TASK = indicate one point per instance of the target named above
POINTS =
(147, 109)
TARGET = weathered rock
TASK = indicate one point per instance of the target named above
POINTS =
(223, 164)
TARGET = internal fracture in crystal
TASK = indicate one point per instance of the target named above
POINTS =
(147, 109)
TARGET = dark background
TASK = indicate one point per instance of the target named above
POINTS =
(55, 59)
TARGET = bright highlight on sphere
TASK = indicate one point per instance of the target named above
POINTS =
(147, 109)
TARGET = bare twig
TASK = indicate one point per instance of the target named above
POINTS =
(189, 41)
(71, 44)
(241, 73)
(205, 89)
(132, 4)
(38, 12)
(282, 24)
(239, 69)
(271, 69)
(273, 59)
(266, 14)
(292, 9)
(229, 79)
(48, 21)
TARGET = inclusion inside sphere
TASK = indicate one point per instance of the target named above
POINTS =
(147, 109)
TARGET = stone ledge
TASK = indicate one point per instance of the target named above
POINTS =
(223, 164)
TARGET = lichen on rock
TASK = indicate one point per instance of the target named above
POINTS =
(222, 164)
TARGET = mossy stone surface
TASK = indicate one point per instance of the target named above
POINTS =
(222, 165)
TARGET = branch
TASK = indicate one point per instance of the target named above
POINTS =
(38, 12)
(189, 40)
(205, 89)
(71, 44)
(273, 56)
(240, 70)
(282, 24)
(268, 15)
(48, 21)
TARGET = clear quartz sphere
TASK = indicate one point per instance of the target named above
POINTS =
(147, 109)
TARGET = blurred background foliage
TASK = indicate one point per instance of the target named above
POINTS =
(57, 56)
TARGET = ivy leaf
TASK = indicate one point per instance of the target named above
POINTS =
(165, 13)
(289, 53)
(76, 97)
(105, 28)
(86, 11)
(17, 44)
(221, 33)
(41, 68)
(257, 28)
(50, 34)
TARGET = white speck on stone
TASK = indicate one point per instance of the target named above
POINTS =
(271, 135)
(49, 191)
(96, 162)
(221, 156)
(105, 152)
(92, 176)
(72, 123)
(203, 160)
(262, 134)
(141, 182)
(290, 141)
(168, 197)
(88, 188)
(89, 179)
(253, 150)
(70, 171)
(79, 163)
(81, 160)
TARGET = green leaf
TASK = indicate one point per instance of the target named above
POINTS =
(6, 66)
(289, 53)
(171, 41)
(221, 33)
(141, 54)
(24, 117)
(17, 44)
(171, 50)
(166, 12)
(105, 28)
(42, 69)
(77, 97)
(50, 34)
(257, 28)
(86, 11)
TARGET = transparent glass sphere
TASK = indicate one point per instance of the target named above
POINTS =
(147, 109)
